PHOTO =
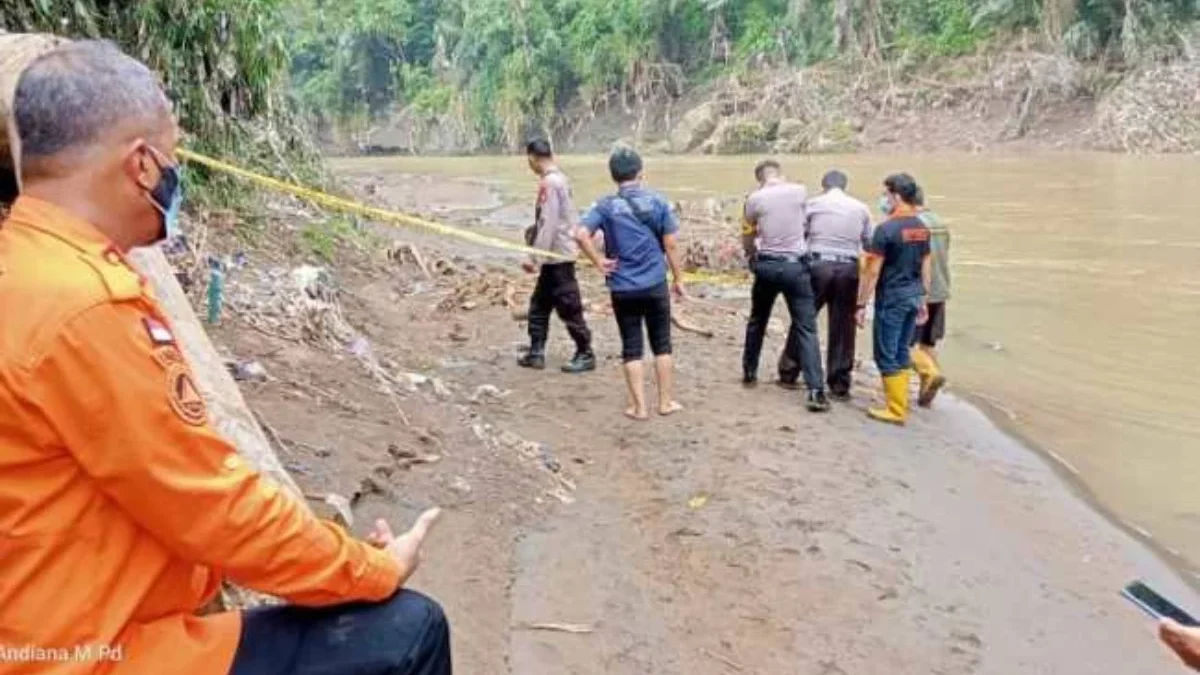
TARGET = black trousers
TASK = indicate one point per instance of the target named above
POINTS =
(650, 308)
(835, 285)
(791, 279)
(405, 635)
(557, 290)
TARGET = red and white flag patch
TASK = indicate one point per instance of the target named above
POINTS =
(158, 331)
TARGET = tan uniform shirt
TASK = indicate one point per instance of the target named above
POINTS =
(837, 224)
(776, 211)
(556, 218)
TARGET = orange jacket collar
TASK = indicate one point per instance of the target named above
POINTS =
(59, 223)
(903, 210)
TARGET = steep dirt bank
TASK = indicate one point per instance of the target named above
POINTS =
(1011, 99)
(743, 536)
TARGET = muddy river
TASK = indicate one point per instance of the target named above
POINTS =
(1076, 303)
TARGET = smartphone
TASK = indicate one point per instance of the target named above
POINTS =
(1156, 605)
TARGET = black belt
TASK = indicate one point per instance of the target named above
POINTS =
(831, 257)
(782, 257)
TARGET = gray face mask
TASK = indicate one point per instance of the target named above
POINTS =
(885, 205)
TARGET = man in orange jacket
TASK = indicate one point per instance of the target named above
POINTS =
(120, 508)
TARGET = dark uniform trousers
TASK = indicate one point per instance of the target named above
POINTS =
(789, 276)
(835, 285)
(405, 635)
(557, 290)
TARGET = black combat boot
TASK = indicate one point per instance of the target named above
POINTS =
(535, 358)
(749, 379)
(582, 362)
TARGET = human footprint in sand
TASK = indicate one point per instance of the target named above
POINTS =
(639, 243)
(1183, 640)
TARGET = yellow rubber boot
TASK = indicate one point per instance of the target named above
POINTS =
(931, 377)
(895, 388)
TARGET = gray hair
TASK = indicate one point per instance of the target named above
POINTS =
(69, 96)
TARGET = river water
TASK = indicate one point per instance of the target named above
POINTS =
(1076, 300)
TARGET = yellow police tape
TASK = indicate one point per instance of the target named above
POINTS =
(395, 217)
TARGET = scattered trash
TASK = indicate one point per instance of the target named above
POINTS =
(469, 305)
(412, 381)
(246, 371)
(548, 459)
(314, 281)
(563, 488)
(460, 484)
(486, 392)
(562, 495)
(441, 390)
(697, 502)
(297, 467)
(371, 486)
(360, 347)
(573, 628)
(407, 458)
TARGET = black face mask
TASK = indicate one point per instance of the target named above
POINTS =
(167, 196)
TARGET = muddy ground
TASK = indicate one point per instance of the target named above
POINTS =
(741, 536)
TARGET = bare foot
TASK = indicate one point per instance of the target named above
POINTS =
(634, 414)
(670, 408)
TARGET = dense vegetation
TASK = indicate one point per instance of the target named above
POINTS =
(504, 67)
(223, 62)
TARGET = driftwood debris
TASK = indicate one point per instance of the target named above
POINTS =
(683, 324)
(399, 253)
(572, 628)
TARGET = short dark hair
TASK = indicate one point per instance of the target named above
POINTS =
(903, 186)
(539, 147)
(624, 164)
(919, 199)
(763, 167)
(72, 95)
(834, 179)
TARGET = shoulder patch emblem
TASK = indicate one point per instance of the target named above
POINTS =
(167, 356)
(182, 394)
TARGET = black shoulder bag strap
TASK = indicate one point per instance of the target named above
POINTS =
(647, 220)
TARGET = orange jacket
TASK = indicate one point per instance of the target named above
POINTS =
(120, 508)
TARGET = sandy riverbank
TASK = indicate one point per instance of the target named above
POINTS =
(744, 535)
